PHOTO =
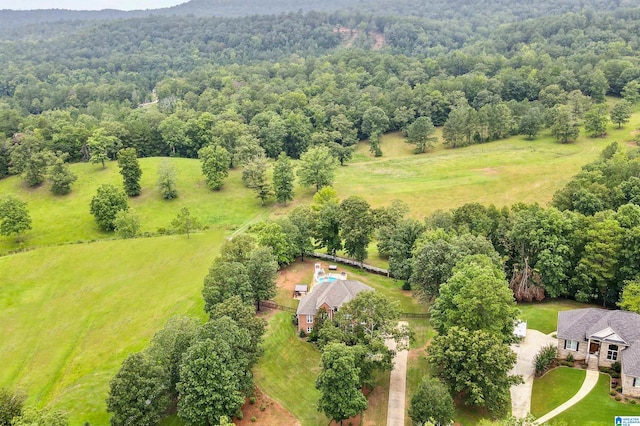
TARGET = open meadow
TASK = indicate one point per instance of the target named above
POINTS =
(78, 301)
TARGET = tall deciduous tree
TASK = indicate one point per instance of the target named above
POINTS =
(30, 158)
(14, 216)
(60, 176)
(185, 223)
(283, 179)
(262, 269)
(317, 167)
(431, 402)
(139, 392)
(340, 396)
(106, 204)
(564, 128)
(99, 145)
(476, 297)
(130, 171)
(126, 224)
(357, 226)
(215, 165)
(167, 180)
(630, 297)
(531, 122)
(226, 279)
(621, 113)
(421, 134)
(596, 120)
(474, 365)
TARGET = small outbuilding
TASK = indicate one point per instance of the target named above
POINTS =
(301, 290)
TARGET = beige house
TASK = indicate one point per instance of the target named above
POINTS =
(602, 337)
(327, 296)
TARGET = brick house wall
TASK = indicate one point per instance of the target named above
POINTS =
(602, 358)
(627, 387)
(303, 324)
(580, 354)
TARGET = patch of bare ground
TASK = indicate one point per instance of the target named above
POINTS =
(298, 272)
(490, 171)
(265, 411)
(379, 40)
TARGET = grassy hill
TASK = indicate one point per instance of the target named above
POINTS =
(78, 303)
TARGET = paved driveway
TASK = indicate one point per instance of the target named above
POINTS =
(521, 394)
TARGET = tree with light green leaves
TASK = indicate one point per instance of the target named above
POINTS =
(30, 158)
(356, 226)
(630, 297)
(167, 180)
(283, 179)
(185, 223)
(564, 128)
(106, 204)
(99, 145)
(215, 165)
(340, 394)
(621, 113)
(596, 121)
(14, 216)
(431, 402)
(60, 176)
(421, 133)
(127, 224)
(317, 167)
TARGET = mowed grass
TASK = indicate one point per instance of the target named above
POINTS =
(288, 369)
(62, 219)
(543, 316)
(555, 388)
(597, 408)
(71, 314)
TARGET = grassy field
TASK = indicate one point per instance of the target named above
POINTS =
(555, 388)
(597, 408)
(543, 316)
(70, 314)
(288, 369)
(62, 219)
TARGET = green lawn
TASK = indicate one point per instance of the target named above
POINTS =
(288, 369)
(597, 408)
(543, 316)
(72, 313)
(555, 388)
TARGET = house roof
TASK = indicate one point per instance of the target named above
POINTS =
(618, 327)
(334, 294)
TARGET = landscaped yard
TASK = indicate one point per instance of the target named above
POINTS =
(543, 316)
(555, 388)
(597, 408)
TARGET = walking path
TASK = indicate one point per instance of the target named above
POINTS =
(526, 351)
(587, 386)
(397, 385)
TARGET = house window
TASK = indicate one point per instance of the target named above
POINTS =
(309, 330)
(612, 353)
(309, 319)
(571, 345)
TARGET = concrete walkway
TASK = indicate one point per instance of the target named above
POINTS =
(526, 351)
(397, 385)
(587, 386)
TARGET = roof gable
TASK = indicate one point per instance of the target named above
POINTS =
(334, 294)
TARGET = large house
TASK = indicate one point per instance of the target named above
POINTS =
(328, 296)
(602, 337)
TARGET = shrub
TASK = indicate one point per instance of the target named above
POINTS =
(263, 406)
(570, 358)
(616, 366)
(544, 358)
(619, 388)
(633, 401)
(239, 416)
(618, 398)
(252, 400)
(302, 334)
(613, 393)
(615, 375)
(406, 285)
(253, 419)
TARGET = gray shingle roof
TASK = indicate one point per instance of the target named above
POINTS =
(580, 324)
(334, 294)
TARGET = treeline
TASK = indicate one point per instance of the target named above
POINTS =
(584, 246)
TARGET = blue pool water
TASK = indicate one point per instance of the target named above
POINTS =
(326, 279)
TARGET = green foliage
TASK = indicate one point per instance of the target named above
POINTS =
(476, 365)
(356, 226)
(596, 120)
(35, 417)
(564, 128)
(169, 344)
(126, 224)
(262, 269)
(100, 144)
(254, 173)
(106, 204)
(431, 402)
(421, 134)
(214, 373)
(60, 176)
(30, 158)
(11, 405)
(317, 167)
(185, 223)
(14, 216)
(167, 180)
(338, 382)
(630, 297)
(283, 179)
(130, 171)
(531, 122)
(215, 165)
(476, 297)
(621, 113)
(544, 358)
(139, 393)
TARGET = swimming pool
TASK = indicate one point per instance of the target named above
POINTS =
(326, 279)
